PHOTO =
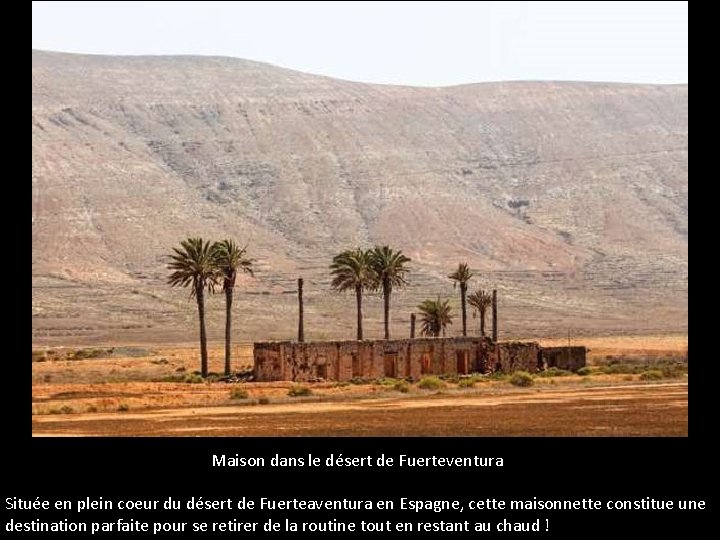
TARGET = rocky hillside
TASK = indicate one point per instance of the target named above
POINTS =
(569, 198)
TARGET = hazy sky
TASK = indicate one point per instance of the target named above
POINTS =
(419, 43)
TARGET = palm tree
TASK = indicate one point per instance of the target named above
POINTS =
(481, 301)
(229, 258)
(390, 269)
(462, 275)
(193, 266)
(435, 316)
(351, 270)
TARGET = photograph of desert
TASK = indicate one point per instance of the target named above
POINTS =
(227, 247)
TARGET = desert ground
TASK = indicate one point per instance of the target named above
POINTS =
(636, 385)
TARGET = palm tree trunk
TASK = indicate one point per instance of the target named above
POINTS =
(386, 296)
(228, 328)
(200, 294)
(482, 323)
(463, 293)
(358, 296)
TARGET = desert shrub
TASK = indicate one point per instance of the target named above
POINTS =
(263, 400)
(521, 378)
(359, 380)
(67, 409)
(584, 371)
(497, 376)
(298, 390)
(39, 356)
(628, 378)
(671, 371)
(386, 381)
(431, 383)
(123, 407)
(342, 384)
(159, 361)
(402, 387)
(54, 411)
(181, 369)
(466, 383)
(651, 375)
(453, 379)
(91, 409)
(238, 393)
(82, 354)
(192, 378)
(625, 369)
(554, 372)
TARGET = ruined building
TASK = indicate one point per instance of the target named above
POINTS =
(402, 358)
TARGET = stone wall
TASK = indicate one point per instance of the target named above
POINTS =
(345, 360)
(516, 356)
(570, 358)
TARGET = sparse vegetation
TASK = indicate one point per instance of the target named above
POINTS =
(468, 382)
(123, 407)
(67, 409)
(91, 409)
(522, 378)
(431, 383)
(401, 386)
(299, 390)
(192, 378)
(651, 375)
(238, 393)
(554, 372)
(584, 371)
(263, 400)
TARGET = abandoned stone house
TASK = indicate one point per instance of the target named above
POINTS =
(405, 358)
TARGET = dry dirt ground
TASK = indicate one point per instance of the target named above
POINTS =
(144, 395)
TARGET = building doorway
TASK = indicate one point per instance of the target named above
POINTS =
(463, 367)
(391, 365)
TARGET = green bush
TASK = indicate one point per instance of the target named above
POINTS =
(651, 375)
(299, 390)
(584, 371)
(359, 380)
(402, 387)
(386, 381)
(453, 379)
(193, 378)
(521, 378)
(497, 376)
(238, 393)
(431, 383)
(466, 383)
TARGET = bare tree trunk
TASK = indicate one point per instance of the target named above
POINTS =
(200, 293)
(301, 314)
(228, 330)
(482, 323)
(358, 297)
(494, 316)
(386, 296)
(463, 294)
(412, 326)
